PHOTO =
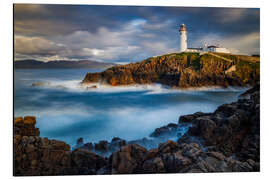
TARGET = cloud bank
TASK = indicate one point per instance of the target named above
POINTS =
(127, 33)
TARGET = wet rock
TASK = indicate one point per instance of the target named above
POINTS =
(116, 139)
(104, 170)
(164, 131)
(87, 162)
(216, 155)
(151, 154)
(145, 142)
(186, 138)
(37, 84)
(203, 127)
(191, 150)
(116, 144)
(154, 165)
(91, 87)
(87, 146)
(102, 146)
(227, 109)
(168, 147)
(128, 159)
(172, 125)
(216, 165)
(40, 156)
(242, 167)
(59, 145)
(232, 129)
(79, 142)
(190, 117)
(195, 170)
(251, 91)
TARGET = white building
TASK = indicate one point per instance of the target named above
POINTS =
(205, 48)
(183, 38)
(218, 49)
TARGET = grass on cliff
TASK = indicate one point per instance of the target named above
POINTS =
(253, 66)
(196, 61)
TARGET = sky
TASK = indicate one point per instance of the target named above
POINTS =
(125, 34)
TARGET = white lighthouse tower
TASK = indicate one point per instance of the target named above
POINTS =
(183, 38)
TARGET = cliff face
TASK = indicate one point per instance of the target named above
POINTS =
(182, 70)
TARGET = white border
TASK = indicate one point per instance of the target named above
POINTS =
(199, 3)
(7, 86)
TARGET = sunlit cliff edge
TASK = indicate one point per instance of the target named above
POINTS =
(184, 70)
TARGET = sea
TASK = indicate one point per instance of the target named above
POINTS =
(66, 110)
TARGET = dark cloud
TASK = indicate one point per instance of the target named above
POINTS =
(127, 33)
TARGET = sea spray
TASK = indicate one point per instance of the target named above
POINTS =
(67, 111)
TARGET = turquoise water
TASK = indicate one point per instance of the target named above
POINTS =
(67, 111)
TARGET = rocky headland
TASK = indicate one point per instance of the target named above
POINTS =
(184, 70)
(227, 140)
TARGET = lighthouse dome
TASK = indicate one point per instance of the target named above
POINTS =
(182, 27)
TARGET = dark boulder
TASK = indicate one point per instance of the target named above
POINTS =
(154, 165)
(168, 147)
(101, 146)
(165, 131)
(190, 117)
(116, 144)
(128, 159)
(203, 127)
(87, 162)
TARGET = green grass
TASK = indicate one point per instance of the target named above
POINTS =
(196, 64)
(253, 66)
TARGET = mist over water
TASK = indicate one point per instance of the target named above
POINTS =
(66, 111)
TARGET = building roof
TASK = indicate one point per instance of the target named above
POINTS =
(212, 46)
(196, 48)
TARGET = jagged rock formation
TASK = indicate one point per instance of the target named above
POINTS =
(35, 156)
(182, 71)
(227, 140)
(233, 129)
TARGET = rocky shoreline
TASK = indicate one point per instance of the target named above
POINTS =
(227, 140)
(183, 70)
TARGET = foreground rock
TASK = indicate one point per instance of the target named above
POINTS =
(183, 70)
(34, 155)
(233, 129)
(227, 140)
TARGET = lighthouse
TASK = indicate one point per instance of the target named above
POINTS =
(205, 49)
(183, 38)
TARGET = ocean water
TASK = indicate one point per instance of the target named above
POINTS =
(67, 111)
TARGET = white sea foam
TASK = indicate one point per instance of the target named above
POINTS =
(76, 86)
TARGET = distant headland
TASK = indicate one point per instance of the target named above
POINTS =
(63, 64)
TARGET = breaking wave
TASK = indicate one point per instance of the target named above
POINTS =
(149, 89)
